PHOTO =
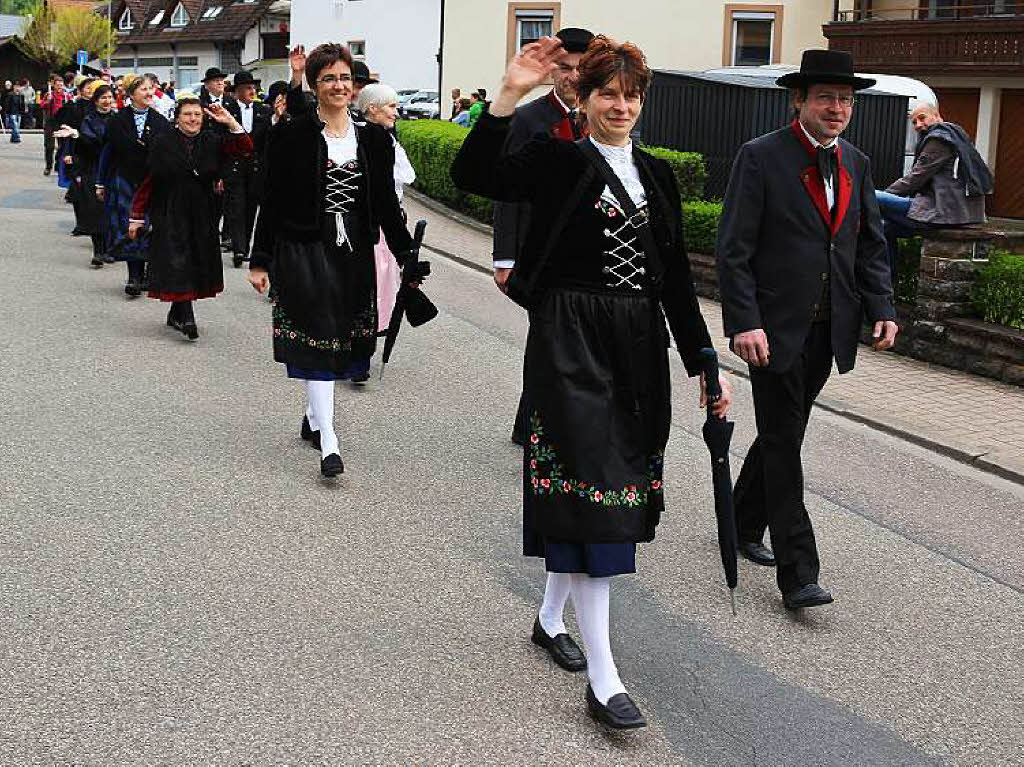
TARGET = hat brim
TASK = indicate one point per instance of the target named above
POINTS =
(802, 80)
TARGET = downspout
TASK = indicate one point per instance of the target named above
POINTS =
(440, 66)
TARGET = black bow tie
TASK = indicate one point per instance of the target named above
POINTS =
(828, 163)
(573, 114)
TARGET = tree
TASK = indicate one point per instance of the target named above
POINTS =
(53, 37)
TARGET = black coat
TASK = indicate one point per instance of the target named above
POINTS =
(296, 160)
(533, 120)
(88, 150)
(226, 101)
(129, 153)
(546, 173)
(255, 164)
(775, 248)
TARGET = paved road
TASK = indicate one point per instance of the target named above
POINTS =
(177, 584)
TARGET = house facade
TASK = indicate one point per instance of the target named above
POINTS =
(970, 52)
(398, 39)
(180, 39)
(481, 36)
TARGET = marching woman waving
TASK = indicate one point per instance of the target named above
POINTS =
(330, 191)
(178, 197)
(604, 259)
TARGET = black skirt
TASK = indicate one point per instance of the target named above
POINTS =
(325, 299)
(597, 392)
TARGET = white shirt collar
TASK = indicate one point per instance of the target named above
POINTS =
(243, 105)
(814, 142)
(559, 100)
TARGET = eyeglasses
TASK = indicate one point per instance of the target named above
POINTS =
(828, 99)
(331, 80)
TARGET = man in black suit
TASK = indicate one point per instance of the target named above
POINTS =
(241, 179)
(552, 115)
(213, 91)
(801, 259)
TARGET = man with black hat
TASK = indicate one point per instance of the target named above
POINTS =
(801, 259)
(553, 115)
(243, 174)
(213, 92)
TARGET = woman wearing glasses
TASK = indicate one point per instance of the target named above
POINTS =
(330, 190)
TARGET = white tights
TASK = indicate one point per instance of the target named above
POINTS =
(590, 596)
(320, 412)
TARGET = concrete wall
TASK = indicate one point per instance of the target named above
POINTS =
(674, 34)
(401, 36)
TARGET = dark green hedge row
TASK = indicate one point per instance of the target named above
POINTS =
(999, 290)
(432, 145)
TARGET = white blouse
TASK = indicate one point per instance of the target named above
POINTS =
(620, 158)
(344, 149)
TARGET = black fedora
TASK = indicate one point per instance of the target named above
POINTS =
(361, 73)
(831, 67)
(213, 73)
(245, 78)
(574, 39)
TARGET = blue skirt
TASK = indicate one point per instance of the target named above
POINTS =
(357, 367)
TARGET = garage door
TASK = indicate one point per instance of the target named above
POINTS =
(960, 106)
(1008, 200)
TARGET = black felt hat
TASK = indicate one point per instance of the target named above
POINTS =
(245, 78)
(574, 39)
(213, 73)
(278, 88)
(829, 67)
(361, 73)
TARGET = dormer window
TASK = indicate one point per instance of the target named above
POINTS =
(180, 16)
(156, 19)
(212, 12)
(126, 23)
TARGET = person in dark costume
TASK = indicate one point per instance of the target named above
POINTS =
(801, 264)
(242, 175)
(554, 114)
(69, 117)
(214, 91)
(597, 369)
(89, 148)
(177, 197)
(330, 191)
(130, 135)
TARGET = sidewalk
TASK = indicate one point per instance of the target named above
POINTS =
(972, 419)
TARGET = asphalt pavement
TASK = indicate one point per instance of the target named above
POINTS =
(178, 585)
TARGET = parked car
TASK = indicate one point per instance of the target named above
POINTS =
(406, 94)
(423, 105)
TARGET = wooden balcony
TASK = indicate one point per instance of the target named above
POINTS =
(964, 39)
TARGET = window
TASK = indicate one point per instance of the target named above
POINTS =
(126, 23)
(528, 22)
(941, 9)
(180, 16)
(212, 12)
(156, 19)
(357, 48)
(752, 35)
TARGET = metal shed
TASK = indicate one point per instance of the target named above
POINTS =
(715, 113)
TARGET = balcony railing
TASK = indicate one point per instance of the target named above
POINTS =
(974, 10)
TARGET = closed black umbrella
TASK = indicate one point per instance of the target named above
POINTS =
(717, 433)
(409, 301)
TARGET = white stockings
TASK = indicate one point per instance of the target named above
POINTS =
(590, 597)
(320, 411)
(553, 606)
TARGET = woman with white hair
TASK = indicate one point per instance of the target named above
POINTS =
(379, 105)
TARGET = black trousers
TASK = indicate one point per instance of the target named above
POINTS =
(240, 208)
(770, 489)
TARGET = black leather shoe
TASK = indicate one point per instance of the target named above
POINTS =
(307, 433)
(236, 260)
(133, 289)
(98, 259)
(190, 329)
(620, 713)
(810, 595)
(563, 650)
(757, 553)
(46, 172)
(360, 378)
(331, 466)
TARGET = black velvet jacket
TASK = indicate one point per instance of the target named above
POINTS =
(545, 173)
(296, 162)
(130, 154)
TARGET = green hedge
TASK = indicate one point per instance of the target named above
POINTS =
(999, 290)
(432, 145)
(908, 267)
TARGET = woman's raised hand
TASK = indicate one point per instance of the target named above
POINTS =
(217, 113)
(297, 61)
(530, 68)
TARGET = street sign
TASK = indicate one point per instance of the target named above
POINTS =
(83, 58)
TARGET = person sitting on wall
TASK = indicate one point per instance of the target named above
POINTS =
(478, 105)
(462, 116)
(946, 186)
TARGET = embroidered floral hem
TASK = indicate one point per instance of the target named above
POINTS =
(547, 476)
(285, 330)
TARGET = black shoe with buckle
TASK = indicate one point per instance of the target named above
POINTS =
(619, 713)
(562, 649)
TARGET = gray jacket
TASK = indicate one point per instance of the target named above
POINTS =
(939, 192)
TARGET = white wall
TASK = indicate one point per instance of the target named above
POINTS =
(402, 36)
(251, 47)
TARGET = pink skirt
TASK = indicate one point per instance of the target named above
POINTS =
(389, 278)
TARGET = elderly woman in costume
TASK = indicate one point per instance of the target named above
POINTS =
(177, 197)
(130, 135)
(378, 103)
(597, 369)
(70, 117)
(330, 193)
